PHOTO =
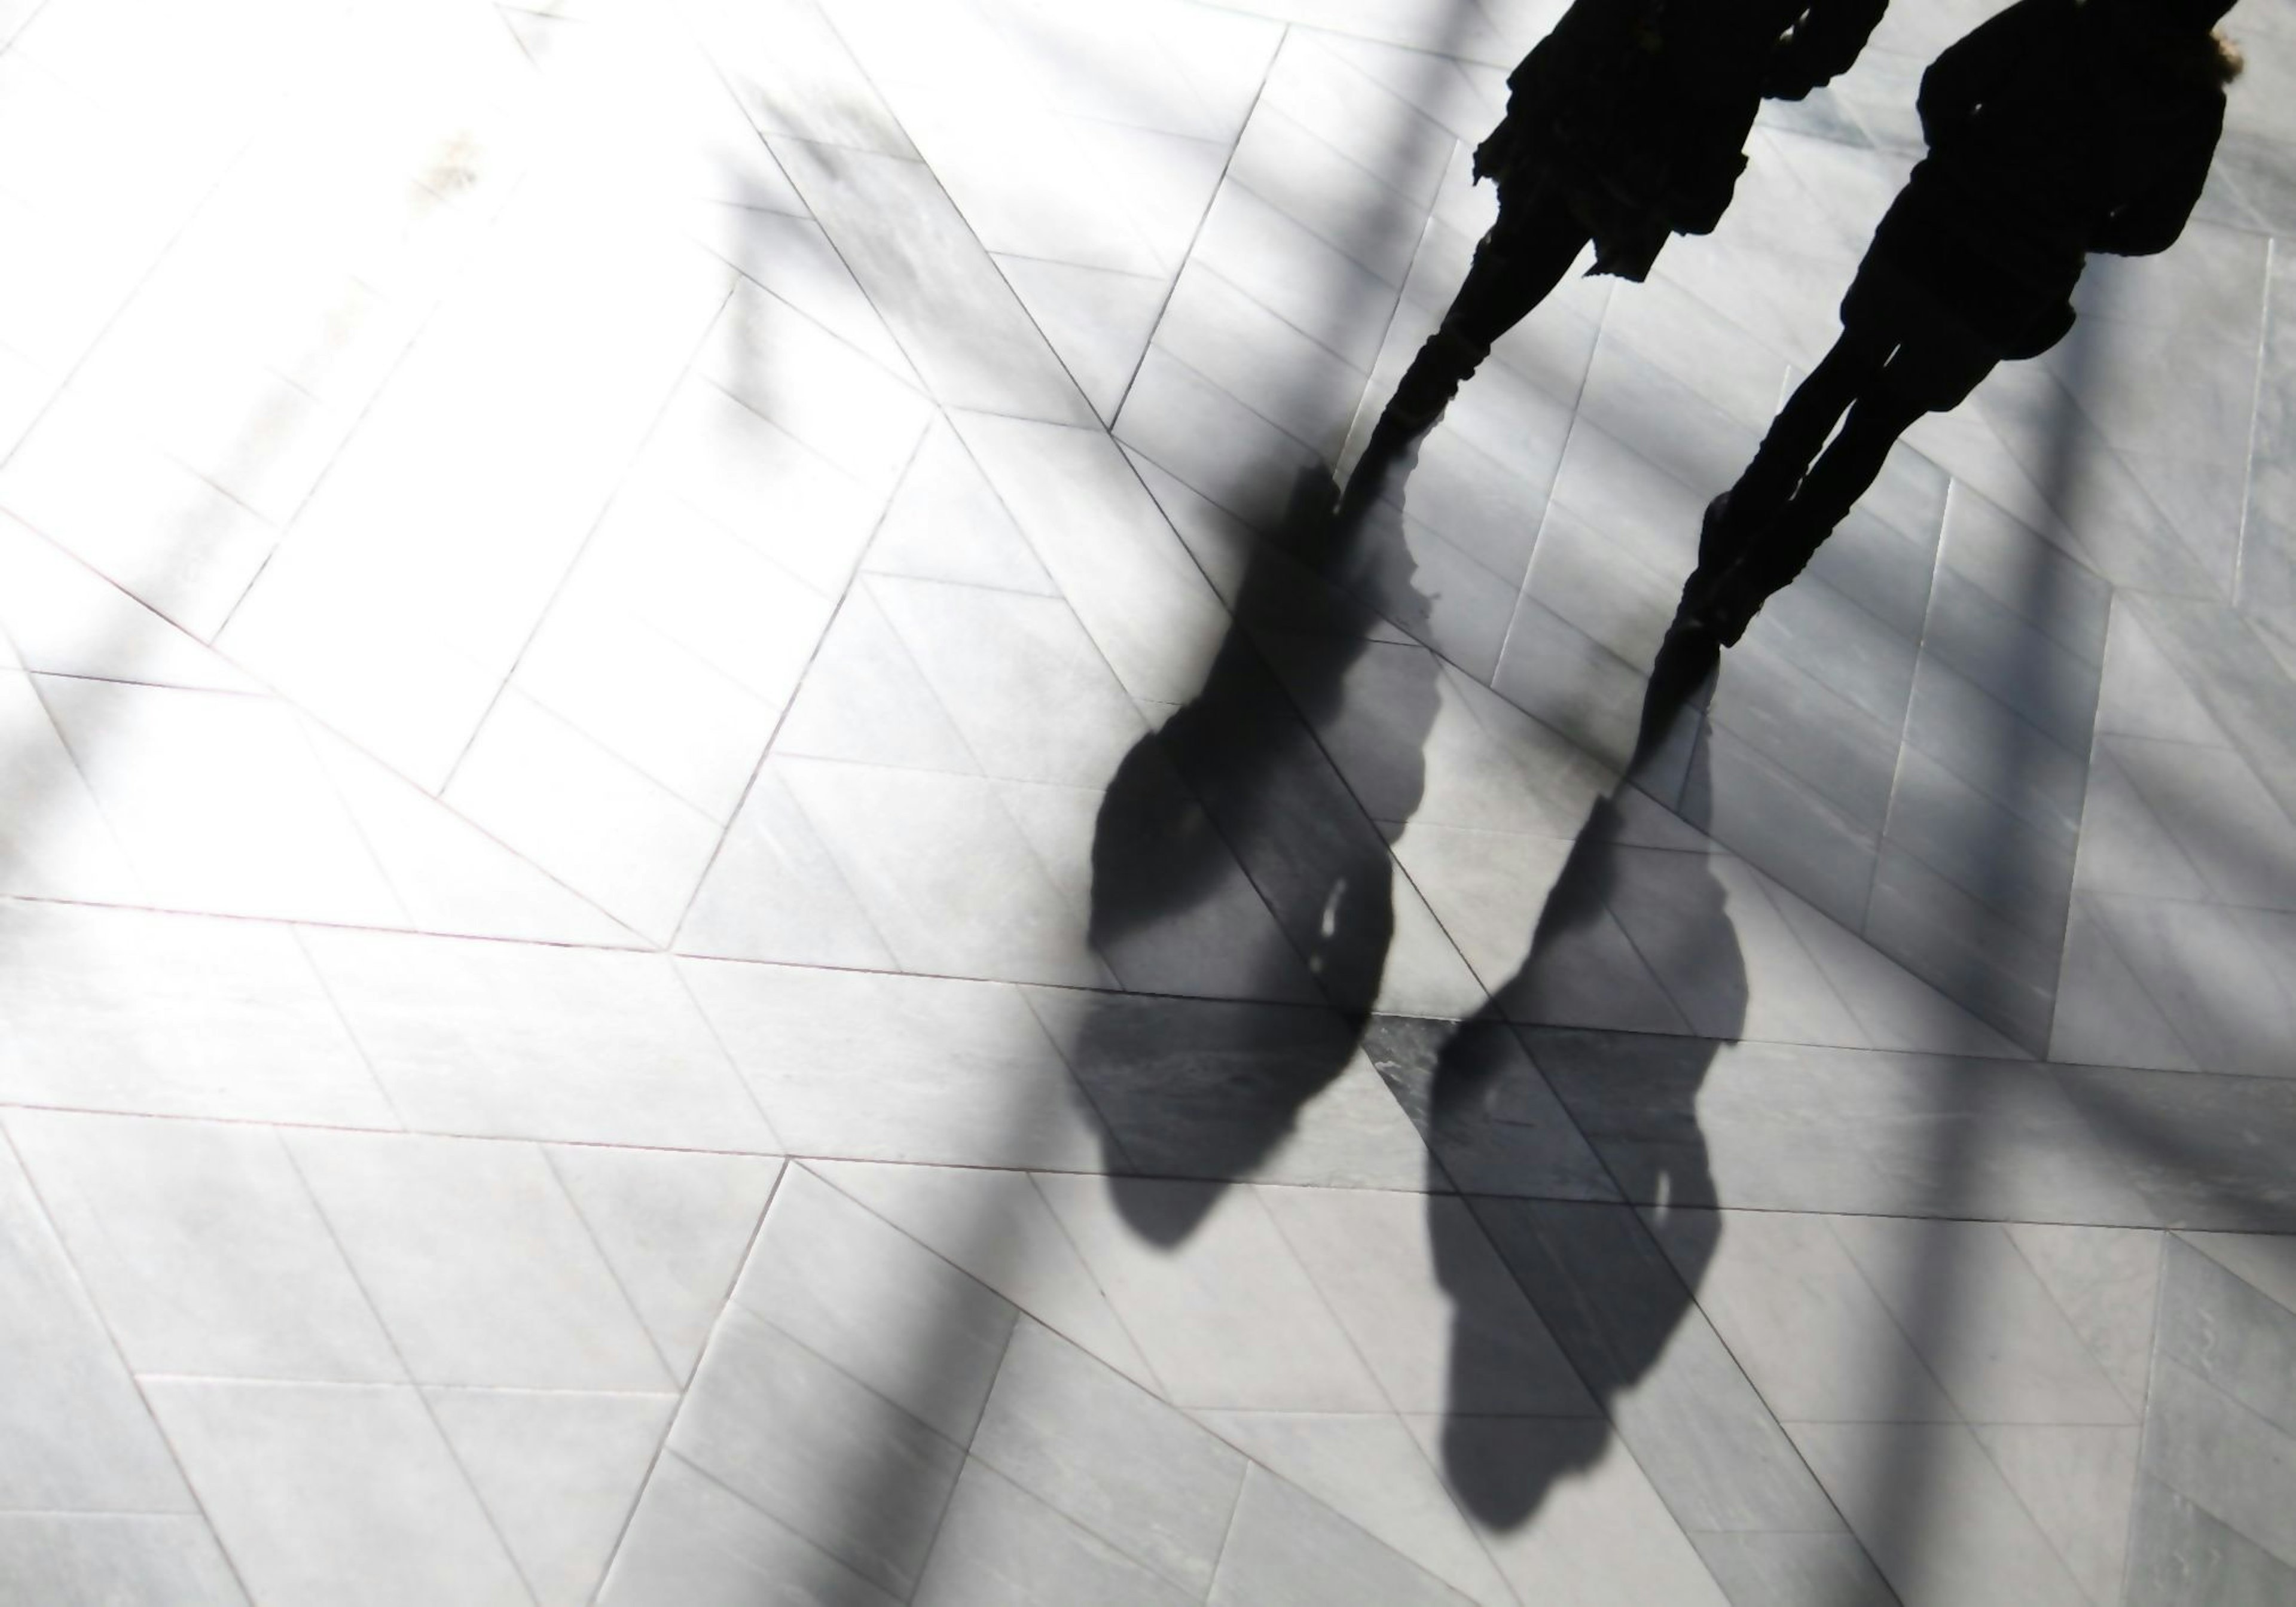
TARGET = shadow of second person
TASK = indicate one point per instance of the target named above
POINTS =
(1633, 909)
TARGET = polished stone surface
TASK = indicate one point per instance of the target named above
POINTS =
(719, 886)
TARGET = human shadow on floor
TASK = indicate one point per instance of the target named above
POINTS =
(1192, 1089)
(1593, 1271)
(1233, 801)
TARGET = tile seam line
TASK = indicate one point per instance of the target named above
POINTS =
(684, 1393)
(2148, 993)
(1035, 1177)
(1395, 1410)
(1107, 1129)
(1342, 157)
(835, 1157)
(1064, 1520)
(1843, 1526)
(175, 912)
(2255, 422)
(732, 1067)
(1212, 272)
(1027, 1174)
(781, 719)
(152, 268)
(2027, 1063)
(287, 1125)
(462, 270)
(1233, 9)
(318, 976)
(305, 718)
(306, 743)
(1195, 235)
(565, 1191)
(2144, 1430)
(2247, 1411)
(1636, 1215)
(2057, 1302)
(669, 1454)
(136, 873)
(1076, 389)
(134, 1514)
(911, 382)
(686, 370)
(257, 1380)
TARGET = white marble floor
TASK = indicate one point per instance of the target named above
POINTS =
(702, 905)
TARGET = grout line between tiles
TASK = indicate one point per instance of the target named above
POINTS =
(685, 1390)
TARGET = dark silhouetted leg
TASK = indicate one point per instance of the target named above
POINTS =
(1517, 265)
(1795, 437)
(1842, 473)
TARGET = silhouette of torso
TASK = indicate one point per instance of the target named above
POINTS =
(2058, 127)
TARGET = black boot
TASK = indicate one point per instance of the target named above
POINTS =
(1721, 542)
(1766, 564)
(1721, 609)
(1427, 387)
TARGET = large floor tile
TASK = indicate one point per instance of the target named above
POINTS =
(526, 1041)
(1099, 536)
(846, 1284)
(998, 1226)
(874, 1066)
(557, 1471)
(478, 1263)
(948, 874)
(693, 1539)
(1370, 1469)
(1429, 1304)
(585, 814)
(336, 1492)
(2215, 1451)
(1288, 1547)
(673, 1228)
(204, 1249)
(998, 1543)
(1110, 1458)
(2180, 1554)
(816, 1450)
(1186, 1265)
(1905, 1488)
(1992, 1332)
(1802, 1320)
(959, 322)
(122, 1010)
(1775, 1127)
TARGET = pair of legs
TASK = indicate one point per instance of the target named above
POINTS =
(1517, 265)
(1761, 533)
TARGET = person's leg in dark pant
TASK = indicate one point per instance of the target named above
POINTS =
(1517, 265)
(1795, 437)
(1844, 472)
